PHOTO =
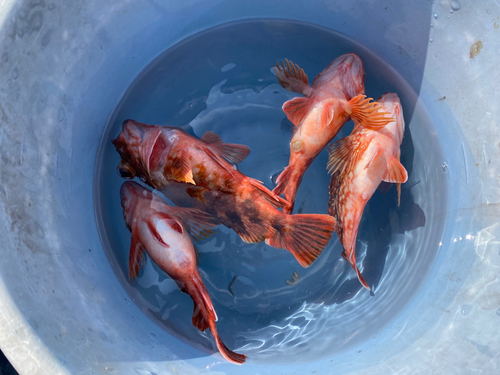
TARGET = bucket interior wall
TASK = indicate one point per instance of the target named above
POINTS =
(64, 69)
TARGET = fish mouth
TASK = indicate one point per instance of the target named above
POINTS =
(130, 192)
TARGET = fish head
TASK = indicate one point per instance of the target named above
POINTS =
(346, 73)
(131, 193)
(142, 149)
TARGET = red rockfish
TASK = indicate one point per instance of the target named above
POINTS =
(162, 231)
(163, 154)
(359, 163)
(336, 95)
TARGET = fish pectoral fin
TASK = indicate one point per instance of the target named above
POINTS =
(339, 153)
(296, 109)
(395, 171)
(370, 115)
(232, 152)
(197, 223)
(137, 255)
(292, 77)
(186, 173)
(377, 156)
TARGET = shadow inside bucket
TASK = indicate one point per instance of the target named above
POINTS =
(268, 306)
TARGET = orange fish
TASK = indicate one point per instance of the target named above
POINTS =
(359, 163)
(162, 231)
(336, 95)
(160, 155)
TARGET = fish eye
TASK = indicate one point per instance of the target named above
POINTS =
(125, 173)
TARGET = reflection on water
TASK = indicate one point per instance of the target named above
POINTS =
(269, 307)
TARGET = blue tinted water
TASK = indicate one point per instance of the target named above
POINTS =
(269, 307)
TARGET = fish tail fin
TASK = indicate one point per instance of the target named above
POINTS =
(352, 261)
(292, 77)
(304, 235)
(228, 354)
(204, 316)
(370, 115)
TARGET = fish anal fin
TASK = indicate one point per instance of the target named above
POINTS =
(137, 256)
(297, 109)
(304, 235)
(198, 320)
(232, 152)
(292, 77)
(395, 171)
(267, 194)
(339, 153)
(370, 115)
(282, 180)
(399, 193)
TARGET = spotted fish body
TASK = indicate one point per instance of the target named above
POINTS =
(335, 95)
(359, 163)
(199, 171)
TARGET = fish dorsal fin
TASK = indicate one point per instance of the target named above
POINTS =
(370, 115)
(332, 202)
(137, 255)
(232, 152)
(219, 160)
(267, 194)
(395, 171)
(297, 109)
(292, 77)
(197, 223)
(339, 153)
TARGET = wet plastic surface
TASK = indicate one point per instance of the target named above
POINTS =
(64, 68)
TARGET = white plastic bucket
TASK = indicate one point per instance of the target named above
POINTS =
(64, 67)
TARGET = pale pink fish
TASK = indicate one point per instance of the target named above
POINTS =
(162, 231)
(359, 163)
(336, 95)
